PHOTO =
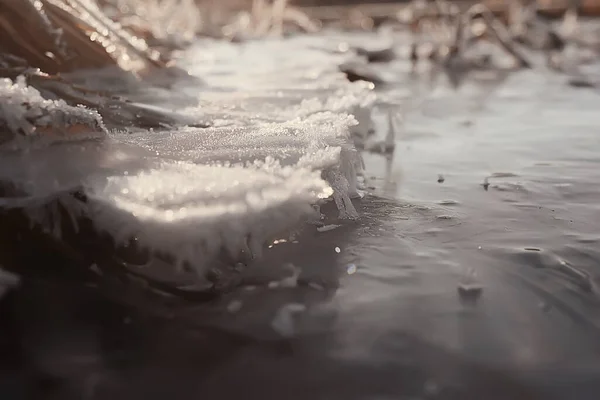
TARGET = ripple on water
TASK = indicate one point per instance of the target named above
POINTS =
(503, 175)
(534, 257)
(448, 202)
(587, 239)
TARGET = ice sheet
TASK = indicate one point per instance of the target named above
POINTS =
(281, 139)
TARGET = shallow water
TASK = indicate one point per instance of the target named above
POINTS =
(492, 185)
(515, 215)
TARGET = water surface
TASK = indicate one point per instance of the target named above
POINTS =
(493, 184)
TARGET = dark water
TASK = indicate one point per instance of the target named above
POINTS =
(492, 185)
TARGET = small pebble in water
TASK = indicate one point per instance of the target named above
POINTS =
(469, 290)
(441, 178)
(469, 293)
(486, 184)
(351, 269)
(337, 250)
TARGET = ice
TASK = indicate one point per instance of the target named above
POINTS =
(194, 211)
(327, 228)
(25, 113)
(317, 140)
(280, 141)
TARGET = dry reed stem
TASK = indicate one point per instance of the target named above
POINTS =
(65, 35)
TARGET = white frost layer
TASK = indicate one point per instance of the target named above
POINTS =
(25, 113)
(195, 211)
(319, 142)
(321, 133)
(194, 193)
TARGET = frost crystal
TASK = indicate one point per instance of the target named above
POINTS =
(281, 141)
(24, 113)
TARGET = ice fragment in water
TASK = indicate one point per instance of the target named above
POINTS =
(351, 269)
(326, 228)
(337, 250)
(486, 184)
(283, 323)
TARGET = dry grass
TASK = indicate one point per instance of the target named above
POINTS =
(65, 35)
